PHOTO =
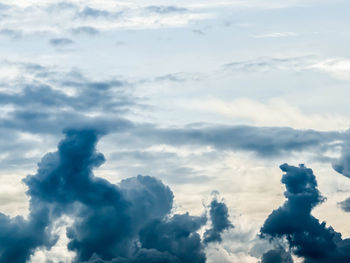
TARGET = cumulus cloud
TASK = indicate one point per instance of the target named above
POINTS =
(276, 256)
(306, 236)
(128, 222)
(342, 166)
(220, 221)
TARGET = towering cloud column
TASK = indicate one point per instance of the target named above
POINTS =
(306, 236)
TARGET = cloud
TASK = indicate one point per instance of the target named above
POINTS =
(54, 100)
(53, 18)
(38, 99)
(128, 222)
(345, 205)
(264, 64)
(89, 30)
(276, 256)
(176, 236)
(276, 35)
(93, 12)
(220, 221)
(14, 34)
(166, 164)
(306, 236)
(264, 141)
(274, 112)
(198, 32)
(165, 9)
(59, 42)
(339, 68)
(342, 166)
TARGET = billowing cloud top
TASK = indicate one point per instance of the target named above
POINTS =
(306, 236)
(128, 222)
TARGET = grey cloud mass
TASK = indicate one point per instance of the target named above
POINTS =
(129, 222)
(307, 237)
(220, 221)
(265, 141)
(48, 101)
(276, 256)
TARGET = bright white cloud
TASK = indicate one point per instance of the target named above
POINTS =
(339, 68)
(276, 35)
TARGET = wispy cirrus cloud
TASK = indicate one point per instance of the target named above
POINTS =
(57, 18)
(276, 35)
(271, 63)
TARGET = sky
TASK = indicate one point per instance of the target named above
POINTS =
(174, 131)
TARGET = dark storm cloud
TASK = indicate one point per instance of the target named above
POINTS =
(129, 222)
(342, 166)
(142, 256)
(177, 236)
(276, 256)
(19, 237)
(220, 221)
(345, 205)
(306, 236)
